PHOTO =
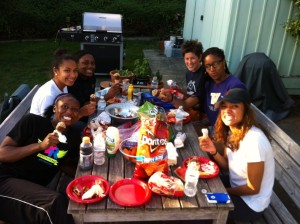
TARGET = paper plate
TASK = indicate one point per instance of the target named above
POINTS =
(82, 184)
(208, 168)
(130, 192)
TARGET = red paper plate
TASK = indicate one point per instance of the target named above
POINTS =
(130, 192)
(83, 183)
(208, 168)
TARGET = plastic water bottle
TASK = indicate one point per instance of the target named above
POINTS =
(86, 154)
(191, 180)
(101, 104)
(99, 150)
(179, 118)
(154, 83)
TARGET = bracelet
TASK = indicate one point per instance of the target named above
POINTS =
(214, 153)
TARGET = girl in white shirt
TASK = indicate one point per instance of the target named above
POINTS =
(64, 73)
(247, 155)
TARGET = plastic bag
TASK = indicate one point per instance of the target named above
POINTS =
(151, 153)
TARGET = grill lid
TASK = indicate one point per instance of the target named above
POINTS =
(102, 22)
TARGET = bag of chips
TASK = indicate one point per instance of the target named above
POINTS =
(151, 153)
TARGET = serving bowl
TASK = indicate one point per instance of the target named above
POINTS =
(128, 148)
(122, 112)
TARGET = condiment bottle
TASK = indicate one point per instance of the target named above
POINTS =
(112, 141)
(86, 154)
(130, 92)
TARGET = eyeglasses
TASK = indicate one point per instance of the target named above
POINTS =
(214, 65)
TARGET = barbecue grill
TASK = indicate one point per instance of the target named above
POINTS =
(101, 34)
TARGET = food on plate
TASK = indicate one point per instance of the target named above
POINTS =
(124, 112)
(163, 184)
(79, 192)
(93, 99)
(207, 168)
(95, 191)
(60, 127)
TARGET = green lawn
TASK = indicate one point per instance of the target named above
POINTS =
(30, 62)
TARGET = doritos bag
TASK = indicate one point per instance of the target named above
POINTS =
(151, 152)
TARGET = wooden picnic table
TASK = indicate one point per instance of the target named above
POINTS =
(158, 208)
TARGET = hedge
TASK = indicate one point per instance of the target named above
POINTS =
(22, 19)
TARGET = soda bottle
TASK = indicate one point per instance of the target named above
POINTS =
(86, 154)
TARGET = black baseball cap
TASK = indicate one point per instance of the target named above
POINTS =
(236, 95)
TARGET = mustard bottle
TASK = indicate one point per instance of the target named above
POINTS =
(130, 92)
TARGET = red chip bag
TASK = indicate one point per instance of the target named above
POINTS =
(151, 152)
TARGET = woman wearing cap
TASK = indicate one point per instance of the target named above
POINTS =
(30, 157)
(248, 156)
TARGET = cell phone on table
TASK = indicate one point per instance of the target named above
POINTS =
(221, 198)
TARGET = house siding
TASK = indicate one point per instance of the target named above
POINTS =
(241, 27)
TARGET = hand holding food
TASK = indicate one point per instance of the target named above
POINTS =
(59, 129)
(94, 99)
(113, 91)
(206, 144)
(163, 94)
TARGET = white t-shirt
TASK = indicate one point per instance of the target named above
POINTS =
(44, 97)
(255, 147)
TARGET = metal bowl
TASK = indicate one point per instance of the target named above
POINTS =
(122, 112)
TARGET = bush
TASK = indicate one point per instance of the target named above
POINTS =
(292, 26)
(23, 19)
